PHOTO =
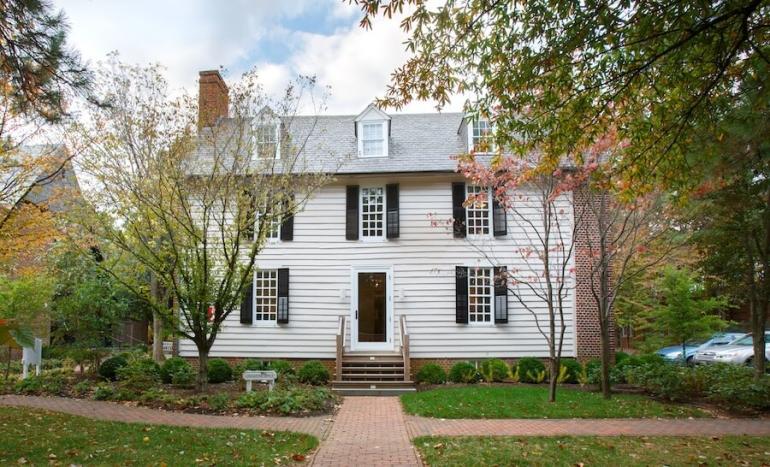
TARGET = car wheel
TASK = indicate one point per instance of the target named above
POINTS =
(750, 362)
(689, 361)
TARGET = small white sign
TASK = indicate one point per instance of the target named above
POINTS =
(32, 356)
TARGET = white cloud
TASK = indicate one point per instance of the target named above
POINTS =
(187, 36)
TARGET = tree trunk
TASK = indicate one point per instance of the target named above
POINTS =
(203, 374)
(8, 364)
(606, 360)
(758, 324)
(553, 380)
(157, 324)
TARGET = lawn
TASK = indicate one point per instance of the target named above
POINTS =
(38, 437)
(532, 402)
(592, 450)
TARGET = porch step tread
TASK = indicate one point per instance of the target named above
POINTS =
(366, 359)
(373, 392)
(371, 383)
(371, 375)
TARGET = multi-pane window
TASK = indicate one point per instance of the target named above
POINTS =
(482, 136)
(267, 141)
(273, 229)
(477, 212)
(266, 295)
(480, 295)
(372, 138)
(372, 211)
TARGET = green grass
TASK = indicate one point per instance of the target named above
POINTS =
(532, 402)
(40, 437)
(593, 450)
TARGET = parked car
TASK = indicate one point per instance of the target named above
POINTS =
(740, 352)
(674, 352)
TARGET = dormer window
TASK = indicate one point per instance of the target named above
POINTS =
(481, 137)
(267, 137)
(372, 128)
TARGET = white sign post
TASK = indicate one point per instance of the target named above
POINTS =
(260, 376)
(32, 356)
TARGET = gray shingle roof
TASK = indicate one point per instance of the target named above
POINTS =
(418, 143)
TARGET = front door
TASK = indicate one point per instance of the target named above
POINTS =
(372, 327)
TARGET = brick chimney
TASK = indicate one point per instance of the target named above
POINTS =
(213, 100)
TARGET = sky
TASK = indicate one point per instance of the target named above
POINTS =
(281, 38)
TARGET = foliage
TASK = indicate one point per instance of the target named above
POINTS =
(140, 374)
(172, 366)
(530, 370)
(542, 69)
(219, 371)
(519, 401)
(730, 386)
(282, 367)
(314, 372)
(24, 300)
(494, 370)
(592, 450)
(464, 372)
(219, 401)
(431, 374)
(593, 370)
(288, 401)
(573, 370)
(103, 392)
(145, 184)
(109, 367)
(82, 388)
(82, 441)
(513, 373)
(248, 364)
(685, 313)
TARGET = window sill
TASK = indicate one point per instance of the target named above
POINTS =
(265, 324)
(372, 239)
(361, 156)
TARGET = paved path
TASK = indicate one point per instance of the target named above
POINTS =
(100, 410)
(368, 431)
(419, 426)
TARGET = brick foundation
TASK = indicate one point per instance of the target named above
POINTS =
(297, 363)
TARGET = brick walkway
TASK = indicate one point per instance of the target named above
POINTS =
(418, 426)
(368, 431)
(316, 426)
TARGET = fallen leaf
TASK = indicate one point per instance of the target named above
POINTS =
(298, 458)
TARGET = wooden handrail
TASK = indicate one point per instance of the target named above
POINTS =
(340, 346)
(405, 348)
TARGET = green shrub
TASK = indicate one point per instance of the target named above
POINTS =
(494, 370)
(103, 392)
(139, 375)
(152, 395)
(249, 364)
(288, 401)
(125, 394)
(81, 388)
(171, 366)
(621, 356)
(314, 372)
(109, 368)
(573, 372)
(464, 372)
(282, 367)
(219, 371)
(183, 377)
(219, 401)
(530, 370)
(593, 370)
(431, 374)
(619, 373)
(32, 385)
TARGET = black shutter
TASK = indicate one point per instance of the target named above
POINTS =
(458, 210)
(392, 215)
(461, 295)
(283, 295)
(351, 212)
(247, 305)
(501, 295)
(499, 220)
(287, 226)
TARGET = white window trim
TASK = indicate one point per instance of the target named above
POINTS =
(490, 213)
(277, 141)
(268, 239)
(273, 323)
(491, 321)
(361, 236)
(491, 149)
(385, 143)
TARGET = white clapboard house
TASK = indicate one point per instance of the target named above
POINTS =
(363, 279)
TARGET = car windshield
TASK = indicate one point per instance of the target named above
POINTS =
(743, 341)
